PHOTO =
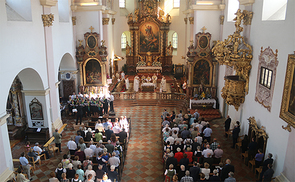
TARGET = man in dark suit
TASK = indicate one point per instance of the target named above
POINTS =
(195, 171)
(267, 176)
(236, 132)
(226, 169)
(79, 112)
(227, 124)
(269, 160)
(105, 106)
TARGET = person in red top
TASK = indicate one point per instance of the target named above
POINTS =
(178, 155)
(189, 154)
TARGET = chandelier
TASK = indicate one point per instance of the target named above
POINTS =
(236, 53)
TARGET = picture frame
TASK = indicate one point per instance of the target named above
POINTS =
(92, 72)
(287, 112)
(36, 110)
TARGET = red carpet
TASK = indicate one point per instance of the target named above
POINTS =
(208, 114)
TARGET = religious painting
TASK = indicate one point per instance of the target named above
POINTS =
(201, 74)
(91, 41)
(149, 38)
(203, 42)
(92, 72)
(288, 101)
(36, 110)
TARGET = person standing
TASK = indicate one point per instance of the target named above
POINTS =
(136, 83)
(79, 107)
(227, 125)
(57, 139)
(155, 78)
(236, 132)
(163, 84)
(105, 106)
(267, 176)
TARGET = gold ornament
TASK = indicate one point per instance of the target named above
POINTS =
(47, 20)
(234, 51)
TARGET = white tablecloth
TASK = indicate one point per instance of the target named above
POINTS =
(147, 84)
(206, 101)
(148, 68)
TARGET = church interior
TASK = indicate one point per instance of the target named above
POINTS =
(141, 68)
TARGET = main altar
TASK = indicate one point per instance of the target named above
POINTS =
(149, 48)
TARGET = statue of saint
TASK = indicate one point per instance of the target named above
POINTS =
(149, 59)
(128, 49)
(169, 49)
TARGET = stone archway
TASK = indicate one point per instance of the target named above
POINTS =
(67, 76)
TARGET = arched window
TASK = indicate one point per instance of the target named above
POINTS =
(176, 3)
(233, 6)
(174, 40)
(274, 10)
(123, 41)
(122, 3)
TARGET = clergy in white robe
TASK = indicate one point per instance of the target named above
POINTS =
(136, 83)
(155, 78)
(163, 84)
(127, 83)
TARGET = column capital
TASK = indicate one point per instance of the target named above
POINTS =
(74, 18)
(47, 19)
(191, 20)
(185, 20)
(105, 21)
(247, 2)
(48, 3)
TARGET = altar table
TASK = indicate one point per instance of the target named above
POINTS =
(147, 87)
(202, 102)
(148, 69)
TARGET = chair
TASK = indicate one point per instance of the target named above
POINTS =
(41, 155)
(259, 170)
(245, 155)
(252, 162)
(239, 143)
(229, 133)
(52, 148)
(32, 161)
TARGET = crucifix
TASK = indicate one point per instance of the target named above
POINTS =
(203, 29)
(91, 28)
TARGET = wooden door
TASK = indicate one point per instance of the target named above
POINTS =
(68, 87)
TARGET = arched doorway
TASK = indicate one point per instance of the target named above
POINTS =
(27, 107)
(67, 77)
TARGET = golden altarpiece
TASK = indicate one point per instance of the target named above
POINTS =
(202, 67)
(149, 49)
(91, 60)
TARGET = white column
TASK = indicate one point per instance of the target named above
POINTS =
(53, 94)
(6, 167)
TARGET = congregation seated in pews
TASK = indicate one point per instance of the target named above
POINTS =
(94, 154)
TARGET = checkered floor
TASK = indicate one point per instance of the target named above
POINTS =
(144, 154)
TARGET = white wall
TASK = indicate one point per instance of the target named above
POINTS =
(278, 35)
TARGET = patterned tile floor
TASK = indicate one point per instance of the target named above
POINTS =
(144, 154)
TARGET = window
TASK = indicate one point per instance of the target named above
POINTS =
(233, 6)
(266, 77)
(274, 10)
(174, 40)
(122, 3)
(176, 3)
(123, 41)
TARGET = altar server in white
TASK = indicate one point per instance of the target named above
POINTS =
(163, 84)
(127, 83)
(136, 83)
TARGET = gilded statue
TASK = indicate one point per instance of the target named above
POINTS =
(168, 18)
(161, 15)
(149, 59)
(169, 49)
(136, 14)
(130, 17)
(128, 49)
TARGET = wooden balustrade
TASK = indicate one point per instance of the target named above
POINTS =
(171, 96)
(124, 95)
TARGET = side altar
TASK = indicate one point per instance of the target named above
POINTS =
(149, 49)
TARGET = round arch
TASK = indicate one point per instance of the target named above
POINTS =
(30, 79)
(67, 63)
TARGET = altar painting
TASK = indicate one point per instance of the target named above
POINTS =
(291, 103)
(149, 38)
(201, 73)
(93, 72)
